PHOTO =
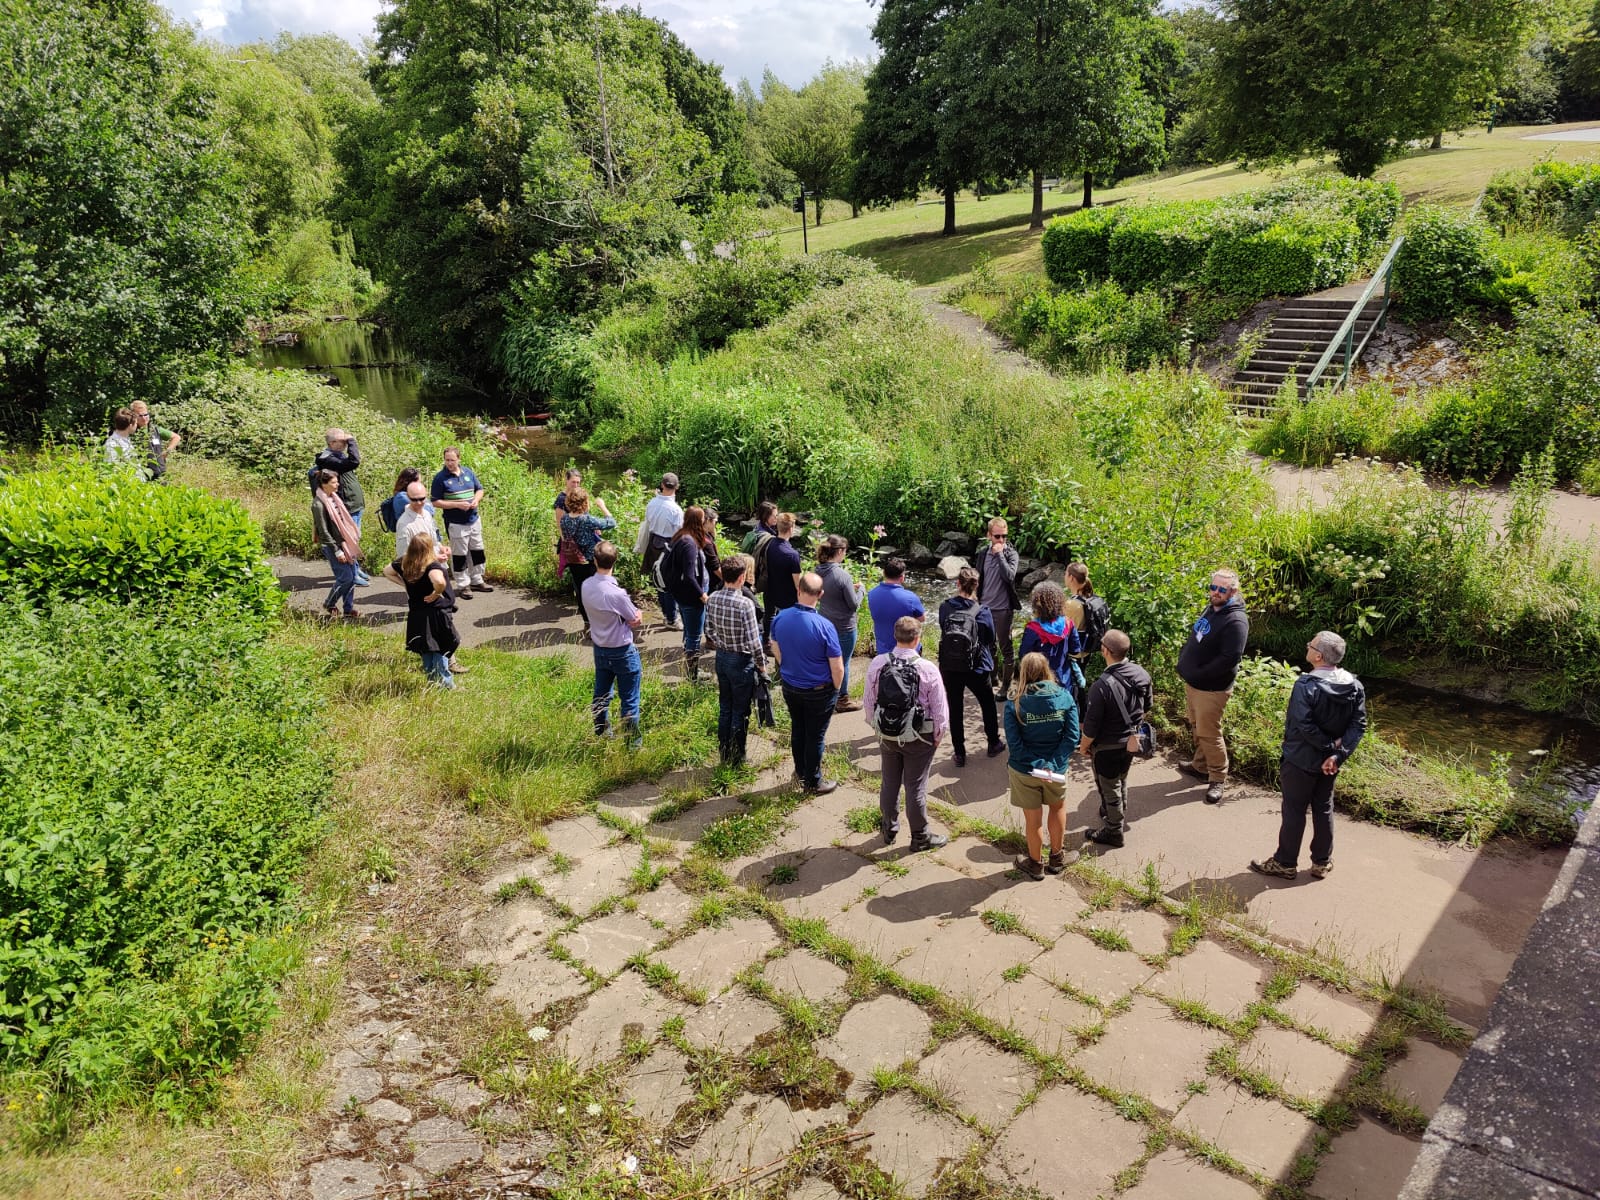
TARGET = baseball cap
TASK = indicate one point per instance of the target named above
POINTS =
(669, 480)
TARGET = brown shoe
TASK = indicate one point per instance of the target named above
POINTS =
(1031, 867)
(1194, 772)
(847, 705)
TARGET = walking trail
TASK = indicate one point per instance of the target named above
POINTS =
(824, 1016)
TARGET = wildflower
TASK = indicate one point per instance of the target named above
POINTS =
(561, 1110)
(593, 1110)
(878, 531)
(630, 1165)
(538, 1033)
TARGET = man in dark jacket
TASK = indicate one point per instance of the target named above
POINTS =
(341, 456)
(1118, 700)
(997, 592)
(1326, 718)
(1207, 664)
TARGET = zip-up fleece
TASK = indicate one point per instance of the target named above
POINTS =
(1041, 728)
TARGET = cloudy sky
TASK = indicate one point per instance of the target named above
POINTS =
(793, 37)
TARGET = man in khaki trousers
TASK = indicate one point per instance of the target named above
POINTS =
(1208, 664)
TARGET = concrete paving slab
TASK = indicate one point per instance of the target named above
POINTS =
(1067, 1145)
(1368, 1162)
(578, 837)
(606, 943)
(536, 981)
(1302, 1066)
(667, 903)
(658, 1087)
(626, 1009)
(1040, 1012)
(815, 1189)
(344, 1179)
(966, 960)
(1147, 931)
(1338, 1014)
(825, 883)
(1173, 1175)
(1043, 908)
(603, 873)
(1448, 1169)
(912, 1143)
(982, 1081)
(883, 1032)
(733, 1022)
(1262, 1134)
(975, 857)
(1152, 1053)
(441, 1143)
(1424, 1075)
(1225, 981)
(710, 958)
(1106, 975)
(507, 931)
(754, 1131)
(685, 829)
(804, 974)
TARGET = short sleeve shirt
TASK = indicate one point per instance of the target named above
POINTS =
(783, 564)
(806, 641)
(887, 603)
(461, 485)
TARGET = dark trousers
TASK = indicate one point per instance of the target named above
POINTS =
(1111, 780)
(576, 574)
(1005, 654)
(956, 683)
(810, 710)
(1303, 790)
(736, 690)
(905, 765)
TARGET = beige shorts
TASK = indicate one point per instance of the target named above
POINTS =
(1029, 791)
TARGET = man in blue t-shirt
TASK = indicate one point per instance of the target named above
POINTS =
(811, 667)
(782, 568)
(457, 493)
(890, 601)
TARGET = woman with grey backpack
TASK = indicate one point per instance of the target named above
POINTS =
(967, 645)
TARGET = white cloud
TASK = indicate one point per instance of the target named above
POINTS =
(744, 37)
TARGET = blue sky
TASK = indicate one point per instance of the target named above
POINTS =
(793, 37)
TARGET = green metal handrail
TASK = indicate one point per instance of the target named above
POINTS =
(1345, 338)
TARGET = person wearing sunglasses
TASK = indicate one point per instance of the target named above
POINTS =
(1208, 664)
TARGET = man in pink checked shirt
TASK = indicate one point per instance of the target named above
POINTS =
(905, 704)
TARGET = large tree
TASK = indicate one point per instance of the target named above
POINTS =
(810, 133)
(120, 236)
(1356, 79)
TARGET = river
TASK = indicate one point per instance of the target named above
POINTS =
(369, 363)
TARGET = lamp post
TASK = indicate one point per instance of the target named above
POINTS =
(800, 207)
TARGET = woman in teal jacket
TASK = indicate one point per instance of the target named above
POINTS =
(1042, 732)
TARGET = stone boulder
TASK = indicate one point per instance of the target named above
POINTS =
(1053, 572)
(920, 556)
(962, 542)
(950, 565)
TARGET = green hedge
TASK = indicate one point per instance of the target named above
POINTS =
(1104, 326)
(1446, 264)
(1160, 245)
(1299, 253)
(1077, 248)
(79, 531)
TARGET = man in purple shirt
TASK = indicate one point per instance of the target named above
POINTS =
(908, 755)
(890, 601)
(612, 620)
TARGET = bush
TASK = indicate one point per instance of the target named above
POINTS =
(1100, 327)
(1357, 424)
(1446, 264)
(1160, 245)
(1299, 253)
(1077, 247)
(77, 532)
(158, 791)
(1566, 195)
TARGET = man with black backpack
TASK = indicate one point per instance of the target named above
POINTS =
(906, 708)
(966, 661)
(1118, 702)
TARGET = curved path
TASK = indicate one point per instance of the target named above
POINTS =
(1021, 1005)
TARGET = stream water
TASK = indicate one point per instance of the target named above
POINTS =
(369, 363)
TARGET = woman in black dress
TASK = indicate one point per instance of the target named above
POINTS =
(430, 623)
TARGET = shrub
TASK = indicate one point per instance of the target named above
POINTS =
(1551, 193)
(1328, 425)
(1102, 326)
(158, 790)
(1298, 253)
(1446, 264)
(1077, 247)
(76, 531)
(1160, 245)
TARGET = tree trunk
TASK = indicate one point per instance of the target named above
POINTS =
(819, 208)
(1036, 221)
(949, 212)
(1088, 189)
(1438, 141)
(855, 209)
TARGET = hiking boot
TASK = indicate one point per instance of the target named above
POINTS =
(847, 705)
(889, 832)
(458, 668)
(1322, 870)
(483, 587)
(1031, 867)
(672, 625)
(1214, 794)
(464, 594)
(1275, 868)
(996, 749)
(1060, 860)
(824, 787)
(1105, 837)
(1194, 772)
(928, 841)
(961, 760)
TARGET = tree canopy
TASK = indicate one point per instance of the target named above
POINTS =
(810, 133)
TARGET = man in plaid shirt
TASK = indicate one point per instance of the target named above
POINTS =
(731, 627)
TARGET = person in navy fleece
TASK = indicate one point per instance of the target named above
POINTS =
(1052, 634)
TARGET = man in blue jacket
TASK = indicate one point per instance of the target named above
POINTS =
(1327, 716)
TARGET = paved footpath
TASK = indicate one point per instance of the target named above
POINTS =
(821, 1016)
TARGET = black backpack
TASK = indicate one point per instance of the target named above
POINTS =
(759, 553)
(665, 572)
(898, 717)
(1096, 620)
(958, 639)
(388, 516)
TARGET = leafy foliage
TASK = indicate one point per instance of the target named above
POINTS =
(810, 133)
(78, 533)
(1446, 264)
(1564, 195)
(1099, 327)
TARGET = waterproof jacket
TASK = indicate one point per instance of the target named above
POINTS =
(344, 464)
(1327, 716)
(1118, 700)
(1058, 641)
(1007, 566)
(1041, 728)
(1209, 660)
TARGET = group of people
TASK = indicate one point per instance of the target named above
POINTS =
(138, 443)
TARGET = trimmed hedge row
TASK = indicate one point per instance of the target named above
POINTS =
(1286, 240)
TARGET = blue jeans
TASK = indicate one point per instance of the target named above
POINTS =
(669, 606)
(694, 620)
(437, 668)
(361, 573)
(617, 667)
(810, 710)
(736, 690)
(344, 581)
(847, 647)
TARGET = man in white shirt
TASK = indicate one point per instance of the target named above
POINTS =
(416, 518)
(663, 517)
(120, 450)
